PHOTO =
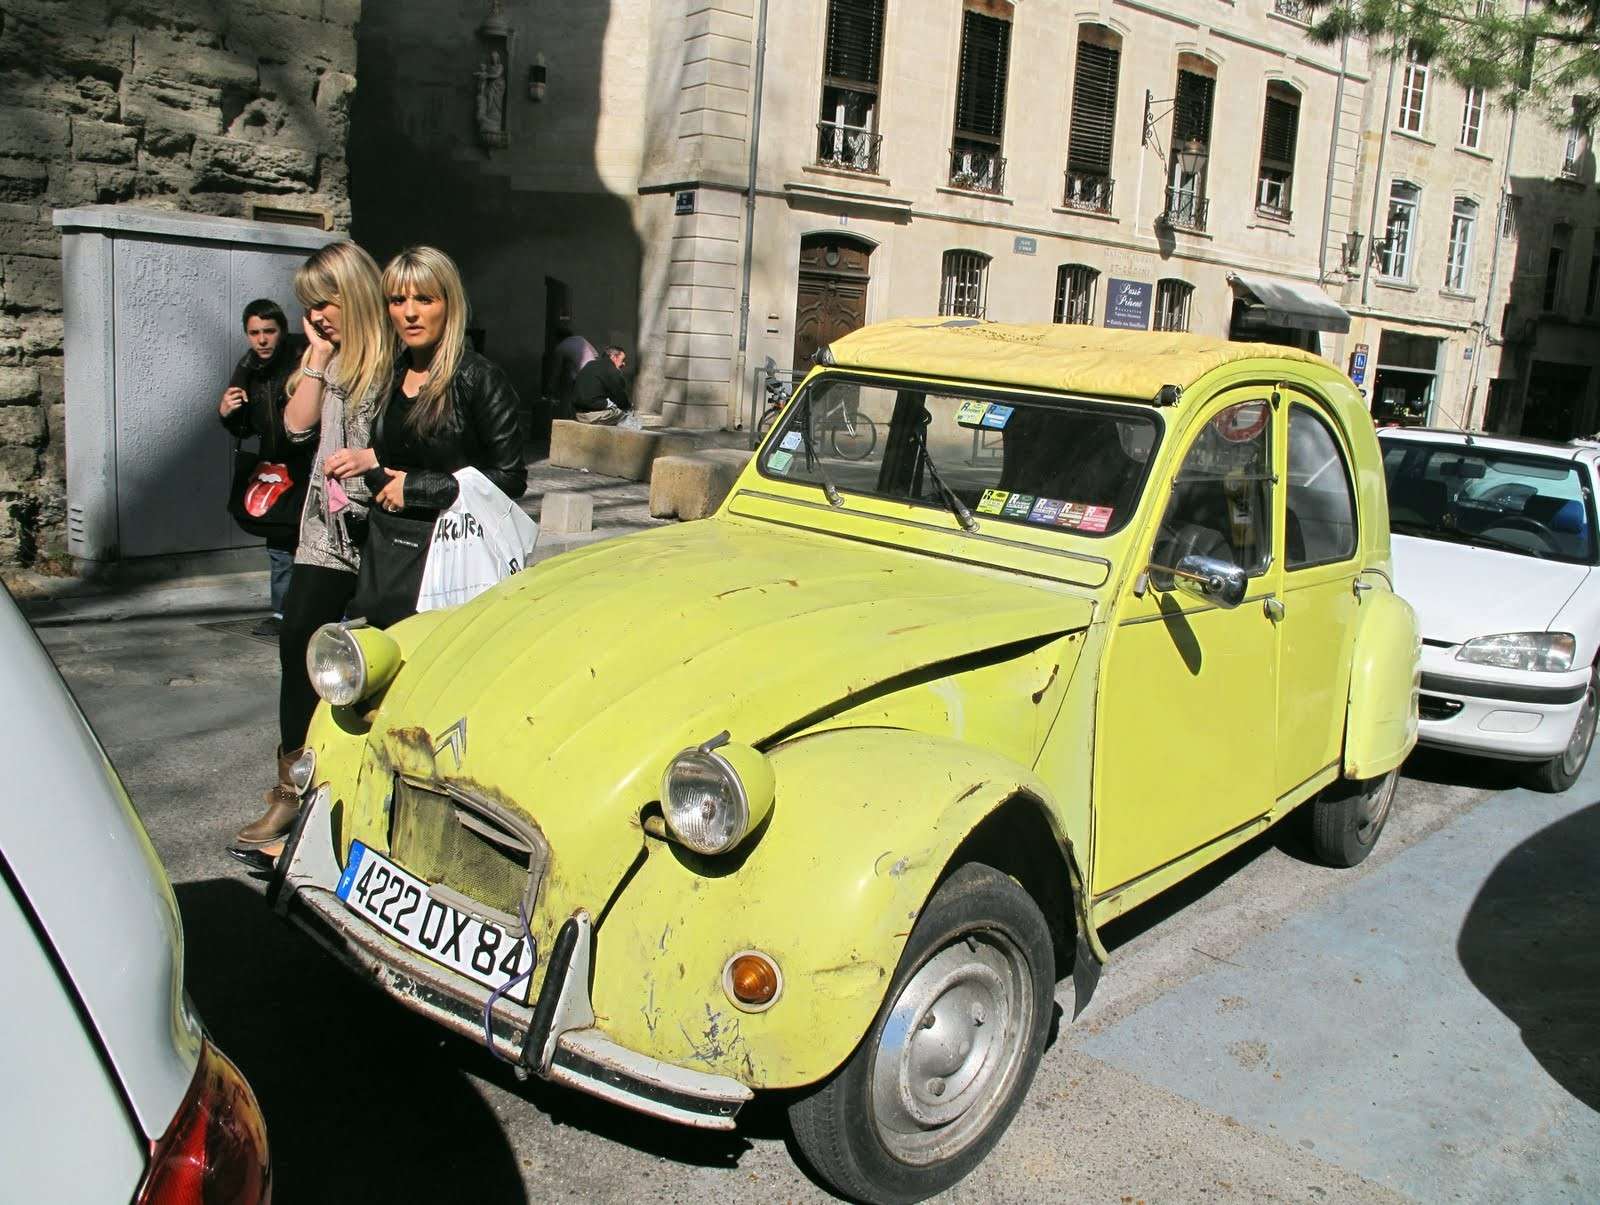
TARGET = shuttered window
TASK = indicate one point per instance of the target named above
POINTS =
(1172, 304)
(1075, 288)
(964, 285)
(855, 42)
(1191, 115)
(981, 86)
(1094, 108)
(1280, 128)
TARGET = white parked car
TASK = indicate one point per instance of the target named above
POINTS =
(112, 1090)
(1495, 547)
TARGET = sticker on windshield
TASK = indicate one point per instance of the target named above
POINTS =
(993, 502)
(1018, 506)
(997, 417)
(791, 441)
(1046, 510)
(970, 414)
(1071, 514)
(1095, 518)
(780, 461)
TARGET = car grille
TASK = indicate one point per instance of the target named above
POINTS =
(1434, 707)
(462, 845)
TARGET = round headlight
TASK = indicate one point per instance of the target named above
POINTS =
(334, 662)
(704, 803)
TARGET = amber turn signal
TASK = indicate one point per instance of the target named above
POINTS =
(751, 981)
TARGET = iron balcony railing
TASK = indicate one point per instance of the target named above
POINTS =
(850, 148)
(1089, 191)
(1295, 10)
(977, 170)
(1186, 209)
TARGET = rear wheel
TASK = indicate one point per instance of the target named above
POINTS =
(944, 1067)
(1348, 816)
(1561, 771)
(853, 437)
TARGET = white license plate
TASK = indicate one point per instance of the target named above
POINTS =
(397, 902)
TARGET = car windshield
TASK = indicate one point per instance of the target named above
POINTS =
(1521, 502)
(1046, 462)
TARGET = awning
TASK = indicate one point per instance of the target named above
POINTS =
(1298, 307)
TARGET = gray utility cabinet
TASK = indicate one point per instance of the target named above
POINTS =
(152, 305)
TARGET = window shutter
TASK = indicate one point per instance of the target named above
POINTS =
(1191, 115)
(855, 40)
(1094, 109)
(981, 89)
(1279, 128)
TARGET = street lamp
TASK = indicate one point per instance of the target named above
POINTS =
(1192, 156)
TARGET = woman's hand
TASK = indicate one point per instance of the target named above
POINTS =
(319, 350)
(232, 398)
(393, 496)
(350, 462)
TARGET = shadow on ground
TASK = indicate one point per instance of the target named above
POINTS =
(1529, 945)
(366, 1101)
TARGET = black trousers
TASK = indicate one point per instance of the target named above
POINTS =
(316, 596)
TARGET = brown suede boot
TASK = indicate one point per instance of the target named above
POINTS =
(283, 805)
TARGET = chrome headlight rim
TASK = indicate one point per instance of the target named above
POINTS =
(1501, 650)
(706, 755)
(357, 690)
(303, 770)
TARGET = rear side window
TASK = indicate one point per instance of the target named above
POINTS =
(1320, 522)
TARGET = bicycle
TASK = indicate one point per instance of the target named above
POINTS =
(852, 436)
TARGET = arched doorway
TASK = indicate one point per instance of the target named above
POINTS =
(831, 299)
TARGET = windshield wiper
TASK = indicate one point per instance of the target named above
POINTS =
(813, 461)
(957, 507)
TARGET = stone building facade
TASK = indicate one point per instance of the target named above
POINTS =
(238, 109)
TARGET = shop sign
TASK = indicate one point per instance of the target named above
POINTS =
(1128, 304)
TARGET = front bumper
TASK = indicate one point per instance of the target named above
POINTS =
(556, 1039)
(1519, 716)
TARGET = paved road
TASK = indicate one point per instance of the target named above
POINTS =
(1419, 1028)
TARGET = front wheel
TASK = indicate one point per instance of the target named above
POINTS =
(1562, 770)
(1348, 816)
(853, 437)
(945, 1066)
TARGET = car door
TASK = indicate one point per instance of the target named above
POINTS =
(1188, 700)
(1317, 606)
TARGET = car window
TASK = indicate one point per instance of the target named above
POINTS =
(1071, 465)
(1521, 502)
(1222, 497)
(1319, 513)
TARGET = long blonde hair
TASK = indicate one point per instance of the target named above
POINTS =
(429, 270)
(345, 274)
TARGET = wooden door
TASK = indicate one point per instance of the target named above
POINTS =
(831, 299)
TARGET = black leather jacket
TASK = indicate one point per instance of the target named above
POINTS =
(482, 429)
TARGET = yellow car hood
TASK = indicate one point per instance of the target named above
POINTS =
(576, 681)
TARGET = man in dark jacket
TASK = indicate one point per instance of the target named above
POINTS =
(252, 408)
(601, 395)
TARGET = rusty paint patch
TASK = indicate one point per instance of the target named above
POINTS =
(1054, 670)
(969, 792)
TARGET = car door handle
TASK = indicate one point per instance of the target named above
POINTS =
(1359, 587)
(1273, 607)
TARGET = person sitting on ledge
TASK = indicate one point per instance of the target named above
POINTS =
(601, 394)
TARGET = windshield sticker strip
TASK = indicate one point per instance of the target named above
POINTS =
(993, 501)
(997, 417)
(791, 442)
(1017, 506)
(971, 414)
(1046, 510)
(780, 461)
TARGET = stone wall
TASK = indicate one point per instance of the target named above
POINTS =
(212, 106)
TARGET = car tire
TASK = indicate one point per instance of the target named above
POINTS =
(948, 1059)
(1562, 770)
(1347, 817)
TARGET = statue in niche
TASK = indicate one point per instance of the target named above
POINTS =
(491, 110)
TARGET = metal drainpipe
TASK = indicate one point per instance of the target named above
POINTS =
(1333, 154)
(750, 215)
(1377, 191)
(1482, 335)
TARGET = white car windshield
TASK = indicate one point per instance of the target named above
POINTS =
(1521, 502)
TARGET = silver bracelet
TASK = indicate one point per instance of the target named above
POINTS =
(307, 371)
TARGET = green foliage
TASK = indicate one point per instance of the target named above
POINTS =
(1548, 55)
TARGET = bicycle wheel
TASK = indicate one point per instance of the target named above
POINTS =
(764, 423)
(853, 438)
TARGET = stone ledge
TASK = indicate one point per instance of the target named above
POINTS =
(617, 451)
(692, 486)
(131, 219)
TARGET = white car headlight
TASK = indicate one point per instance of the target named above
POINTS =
(1547, 651)
(712, 796)
(347, 664)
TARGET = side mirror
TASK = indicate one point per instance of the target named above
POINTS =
(1208, 578)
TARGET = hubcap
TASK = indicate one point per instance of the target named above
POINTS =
(951, 1049)
(1582, 733)
(1375, 807)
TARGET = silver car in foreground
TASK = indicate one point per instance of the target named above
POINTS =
(112, 1092)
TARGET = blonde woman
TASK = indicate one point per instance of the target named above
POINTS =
(446, 408)
(332, 399)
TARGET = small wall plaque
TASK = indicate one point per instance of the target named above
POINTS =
(1024, 244)
(683, 202)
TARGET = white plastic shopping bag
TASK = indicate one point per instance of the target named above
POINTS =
(483, 538)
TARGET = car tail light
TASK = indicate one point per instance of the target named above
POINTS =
(215, 1150)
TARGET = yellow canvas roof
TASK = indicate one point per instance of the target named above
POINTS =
(1069, 358)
